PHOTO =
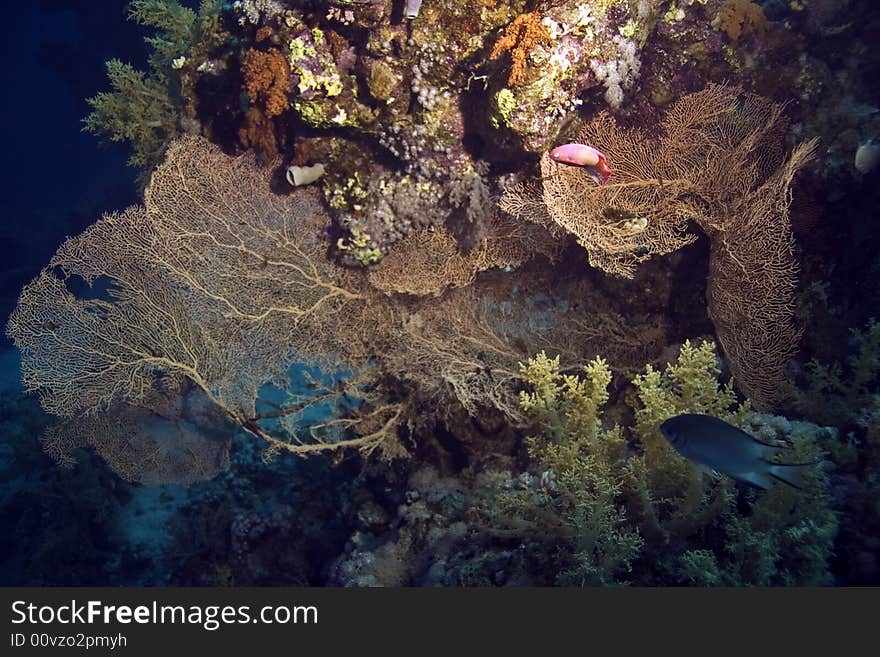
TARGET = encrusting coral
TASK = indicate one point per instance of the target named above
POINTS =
(267, 80)
(519, 39)
(741, 17)
(559, 53)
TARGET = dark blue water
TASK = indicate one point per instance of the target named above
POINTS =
(86, 525)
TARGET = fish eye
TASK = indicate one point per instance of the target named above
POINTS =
(672, 436)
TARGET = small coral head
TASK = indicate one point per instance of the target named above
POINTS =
(586, 156)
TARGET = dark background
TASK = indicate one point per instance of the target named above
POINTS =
(57, 179)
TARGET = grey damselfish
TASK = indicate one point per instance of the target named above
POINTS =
(713, 444)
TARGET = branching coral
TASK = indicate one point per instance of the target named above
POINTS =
(429, 261)
(167, 436)
(451, 355)
(216, 285)
(460, 351)
(638, 214)
(788, 536)
(847, 397)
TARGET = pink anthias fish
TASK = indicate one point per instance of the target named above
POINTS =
(586, 156)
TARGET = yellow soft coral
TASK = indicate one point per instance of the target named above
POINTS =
(674, 496)
(585, 461)
(602, 505)
(690, 385)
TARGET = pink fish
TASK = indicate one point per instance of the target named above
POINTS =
(586, 156)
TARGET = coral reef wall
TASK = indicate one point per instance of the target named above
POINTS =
(354, 241)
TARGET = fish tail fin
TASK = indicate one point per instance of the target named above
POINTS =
(793, 475)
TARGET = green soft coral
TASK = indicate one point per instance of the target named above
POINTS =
(141, 107)
(175, 25)
(831, 394)
(787, 536)
(779, 536)
(636, 511)
(699, 568)
(138, 110)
